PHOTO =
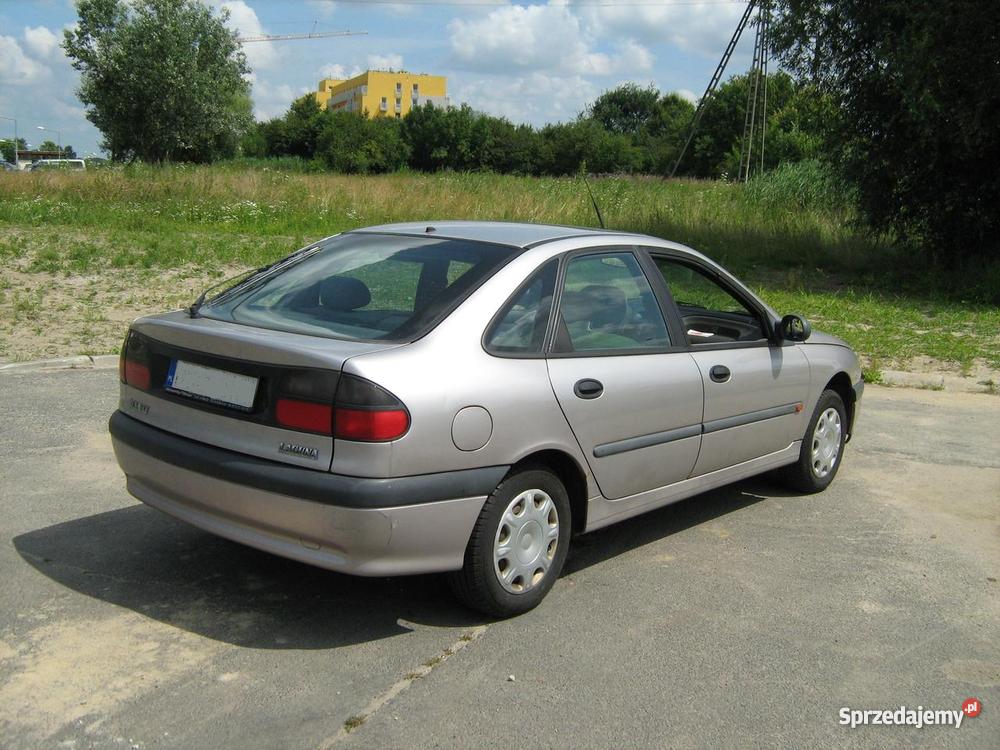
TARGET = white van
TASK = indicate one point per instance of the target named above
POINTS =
(71, 165)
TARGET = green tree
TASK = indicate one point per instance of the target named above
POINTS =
(917, 87)
(163, 80)
(626, 109)
(440, 138)
(571, 147)
(664, 133)
(351, 143)
(716, 146)
(7, 148)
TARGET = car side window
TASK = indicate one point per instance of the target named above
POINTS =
(607, 304)
(520, 325)
(710, 312)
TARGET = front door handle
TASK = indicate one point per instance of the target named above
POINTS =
(719, 373)
(588, 388)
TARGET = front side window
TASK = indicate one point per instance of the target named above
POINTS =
(367, 287)
(710, 312)
(606, 305)
(520, 326)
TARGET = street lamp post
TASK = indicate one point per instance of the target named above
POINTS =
(13, 120)
(58, 137)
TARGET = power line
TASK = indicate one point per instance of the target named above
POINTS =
(286, 37)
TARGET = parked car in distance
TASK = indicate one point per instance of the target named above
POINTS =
(69, 165)
(465, 397)
(6, 166)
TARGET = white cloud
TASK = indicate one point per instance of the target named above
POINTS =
(272, 100)
(539, 38)
(687, 94)
(243, 19)
(41, 41)
(326, 8)
(703, 28)
(536, 98)
(16, 67)
(385, 62)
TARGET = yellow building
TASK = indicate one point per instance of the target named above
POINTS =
(382, 93)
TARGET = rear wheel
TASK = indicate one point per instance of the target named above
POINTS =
(518, 546)
(822, 446)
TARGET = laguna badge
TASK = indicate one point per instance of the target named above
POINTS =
(299, 450)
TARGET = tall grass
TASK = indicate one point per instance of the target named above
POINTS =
(791, 234)
(741, 225)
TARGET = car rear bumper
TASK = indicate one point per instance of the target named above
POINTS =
(352, 525)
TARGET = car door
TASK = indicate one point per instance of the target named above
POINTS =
(755, 387)
(631, 394)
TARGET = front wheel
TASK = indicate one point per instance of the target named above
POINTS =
(822, 446)
(518, 545)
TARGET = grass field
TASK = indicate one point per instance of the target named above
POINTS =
(82, 254)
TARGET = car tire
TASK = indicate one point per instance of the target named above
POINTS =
(822, 449)
(518, 545)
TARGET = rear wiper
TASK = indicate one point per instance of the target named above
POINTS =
(244, 278)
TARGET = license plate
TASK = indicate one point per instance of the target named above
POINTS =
(214, 386)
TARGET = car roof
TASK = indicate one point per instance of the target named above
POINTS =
(521, 235)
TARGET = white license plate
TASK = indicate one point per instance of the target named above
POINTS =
(208, 384)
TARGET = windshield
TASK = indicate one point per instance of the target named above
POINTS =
(367, 287)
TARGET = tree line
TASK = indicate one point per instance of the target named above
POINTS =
(900, 98)
(629, 129)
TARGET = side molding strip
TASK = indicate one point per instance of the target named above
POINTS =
(680, 433)
(645, 441)
(752, 416)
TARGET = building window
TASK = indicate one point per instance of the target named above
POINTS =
(384, 105)
(416, 88)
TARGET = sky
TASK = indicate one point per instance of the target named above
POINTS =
(533, 62)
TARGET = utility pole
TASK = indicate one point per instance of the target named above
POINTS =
(716, 77)
(756, 89)
(756, 94)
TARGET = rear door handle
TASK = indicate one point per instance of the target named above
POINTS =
(719, 373)
(588, 388)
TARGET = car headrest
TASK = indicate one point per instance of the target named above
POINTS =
(574, 307)
(343, 293)
(608, 306)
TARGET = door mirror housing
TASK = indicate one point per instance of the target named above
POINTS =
(795, 328)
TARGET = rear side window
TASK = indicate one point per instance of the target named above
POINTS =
(607, 304)
(520, 325)
(366, 287)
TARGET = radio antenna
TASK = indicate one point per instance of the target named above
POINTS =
(593, 200)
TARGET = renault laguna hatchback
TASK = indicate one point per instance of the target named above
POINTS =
(467, 397)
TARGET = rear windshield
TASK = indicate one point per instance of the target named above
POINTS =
(367, 287)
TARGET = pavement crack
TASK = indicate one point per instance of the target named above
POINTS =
(355, 722)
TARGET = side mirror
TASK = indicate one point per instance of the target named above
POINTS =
(795, 328)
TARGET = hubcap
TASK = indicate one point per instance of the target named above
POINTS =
(526, 541)
(826, 442)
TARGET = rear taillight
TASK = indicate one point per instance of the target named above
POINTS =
(305, 401)
(344, 406)
(368, 413)
(374, 425)
(133, 364)
(304, 415)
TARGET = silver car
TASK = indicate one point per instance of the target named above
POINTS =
(465, 397)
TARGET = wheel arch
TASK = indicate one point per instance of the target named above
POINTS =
(841, 384)
(570, 473)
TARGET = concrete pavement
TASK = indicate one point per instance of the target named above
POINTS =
(746, 616)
